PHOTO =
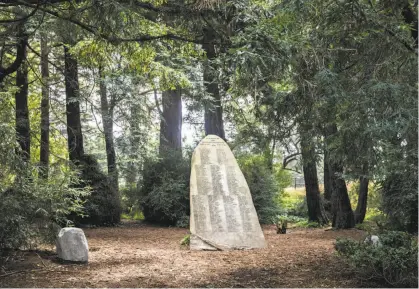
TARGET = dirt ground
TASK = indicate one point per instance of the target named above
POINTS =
(139, 255)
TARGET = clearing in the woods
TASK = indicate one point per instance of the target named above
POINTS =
(139, 255)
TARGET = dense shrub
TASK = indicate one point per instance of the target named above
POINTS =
(130, 204)
(400, 200)
(102, 206)
(294, 204)
(31, 208)
(164, 190)
(31, 212)
(263, 184)
(393, 261)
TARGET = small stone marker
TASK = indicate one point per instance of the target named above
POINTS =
(72, 245)
(374, 240)
(223, 216)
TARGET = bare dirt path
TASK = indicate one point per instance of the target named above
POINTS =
(138, 255)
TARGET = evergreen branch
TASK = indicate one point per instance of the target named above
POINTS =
(111, 39)
(24, 18)
(50, 62)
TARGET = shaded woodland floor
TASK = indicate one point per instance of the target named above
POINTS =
(139, 255)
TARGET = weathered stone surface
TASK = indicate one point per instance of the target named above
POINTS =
(374, 240)
(72, 245)
(223, 216)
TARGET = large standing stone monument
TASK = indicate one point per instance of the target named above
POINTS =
(223, 216)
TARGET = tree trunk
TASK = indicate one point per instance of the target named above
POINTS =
(132, 172)
(361, 207)
(107, 119)
(20, 54)
(171, 121)
(22, 113)
(75, 137)
(44, 150)
(315, 208)
(342, 214)
(213, 109)
(327, 182)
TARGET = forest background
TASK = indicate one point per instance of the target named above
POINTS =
(95, 95)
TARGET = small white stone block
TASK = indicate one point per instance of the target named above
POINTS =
(72, 245)
(374, 240)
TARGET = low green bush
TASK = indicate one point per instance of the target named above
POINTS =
(392, 262)
(293, 205)
(102, 207)
(400, 200)
(264, 185)
(186, 240)
(164, 190)
(34, 209)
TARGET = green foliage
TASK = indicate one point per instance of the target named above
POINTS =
(102, 207)
(290, 218)
(393, 262)
(164, 190)
(293, 204)
(307, 224)
(296, 221)
(283, 179)
(263, 185)
(32, 211)
(366, 226)
(186, 240)
(133, 215)
(400, 201)
(130, 202)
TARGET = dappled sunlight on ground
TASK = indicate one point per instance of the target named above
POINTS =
(138, 255)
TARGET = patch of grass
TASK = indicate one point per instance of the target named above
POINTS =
(135, 215)
(291, 198)
(186, 240)
(367, 226)
(307, 224)
(300, 191)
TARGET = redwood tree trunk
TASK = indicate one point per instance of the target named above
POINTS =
(75, 137)
(44, 150)
(22, 113)
(20, 54)
(171, 121)
(327, 182)
(213, 109)
(315, 208)
(342, 214)
(107, 119)
(361, 207)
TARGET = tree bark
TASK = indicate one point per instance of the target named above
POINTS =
(22, 113)
(342, 214)
(213, 109)
(44, 150)
(107, 119)
(20, 54)
(75, 137)
(315, 207)
(327, 182)
(361, 207)
(132, 172)
(171, 121)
